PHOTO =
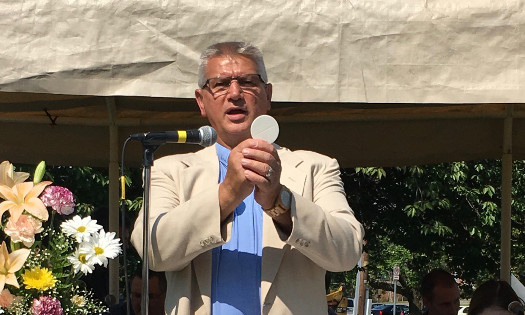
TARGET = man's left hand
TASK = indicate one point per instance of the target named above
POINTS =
(262, 167)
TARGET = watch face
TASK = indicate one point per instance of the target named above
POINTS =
(286, 198)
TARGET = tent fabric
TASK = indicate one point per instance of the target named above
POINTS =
(389, 51)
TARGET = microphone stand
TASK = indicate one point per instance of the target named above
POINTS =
(150, 144)
(147, 162)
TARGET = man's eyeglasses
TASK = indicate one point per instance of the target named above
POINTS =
(247, 82)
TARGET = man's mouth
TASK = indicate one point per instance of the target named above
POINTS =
(236, 111)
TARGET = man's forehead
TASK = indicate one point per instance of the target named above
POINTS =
(227, 64)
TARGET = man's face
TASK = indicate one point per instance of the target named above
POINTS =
(156, 296)
(232, 113)
(445, 300)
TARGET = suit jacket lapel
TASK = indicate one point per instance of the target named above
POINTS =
(273, 245)
(202, 172)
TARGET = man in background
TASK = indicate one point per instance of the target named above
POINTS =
(440, 293)
(157, 295)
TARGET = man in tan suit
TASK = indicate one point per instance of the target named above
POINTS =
(246, 226)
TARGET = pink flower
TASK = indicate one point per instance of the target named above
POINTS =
(59, 198)
(24, 229)
(6, 298)
(46, 305)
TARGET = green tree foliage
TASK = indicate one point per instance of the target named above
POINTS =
(444, 215)
(418, 217)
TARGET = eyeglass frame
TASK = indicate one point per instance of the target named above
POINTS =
(232, 78)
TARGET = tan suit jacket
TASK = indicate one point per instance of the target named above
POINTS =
(185, 226)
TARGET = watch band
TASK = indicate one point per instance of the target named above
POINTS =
(276, 211)
(281, 206)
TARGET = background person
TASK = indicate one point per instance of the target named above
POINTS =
(157, 295)
(494, 297)
(245, 226)
(440, 293)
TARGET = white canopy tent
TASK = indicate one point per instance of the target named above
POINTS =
(383, 83)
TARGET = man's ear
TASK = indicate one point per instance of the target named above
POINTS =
(200, 103)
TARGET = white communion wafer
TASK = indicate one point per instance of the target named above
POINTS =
(265, 127)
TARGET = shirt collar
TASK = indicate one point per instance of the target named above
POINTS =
(223, 153)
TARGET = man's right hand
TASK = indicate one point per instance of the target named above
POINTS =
(235, 186)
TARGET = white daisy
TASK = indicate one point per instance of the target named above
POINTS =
(102, 246)
(80, 228)
(80, 262)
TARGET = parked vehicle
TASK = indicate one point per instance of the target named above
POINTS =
(336, 302)
(350, 306)
(387, 309)
(375, 305)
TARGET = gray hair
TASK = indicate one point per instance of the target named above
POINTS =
(231, 48)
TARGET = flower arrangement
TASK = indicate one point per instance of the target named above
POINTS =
(41, 261)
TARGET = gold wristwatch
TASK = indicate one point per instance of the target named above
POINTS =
(282, 204)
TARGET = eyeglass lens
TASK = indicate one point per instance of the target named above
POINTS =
(247, 82)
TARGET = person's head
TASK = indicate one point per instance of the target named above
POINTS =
(157, 292)
(233, 89)
(440, 293)
(494, 297)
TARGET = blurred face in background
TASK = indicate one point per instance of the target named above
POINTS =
(445, 300)
(495, 311)
(156, 296)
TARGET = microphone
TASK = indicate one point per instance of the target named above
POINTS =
(204, 136)
(515, 307)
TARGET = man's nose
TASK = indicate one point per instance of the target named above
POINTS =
(234, 91)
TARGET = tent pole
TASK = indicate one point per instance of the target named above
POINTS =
(506, 196)
(113, 206)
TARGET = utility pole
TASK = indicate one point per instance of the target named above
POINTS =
(363, 279)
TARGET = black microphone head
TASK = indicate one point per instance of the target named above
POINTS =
(515, 307)
(208, 136)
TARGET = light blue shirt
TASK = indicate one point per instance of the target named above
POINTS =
(236, 265)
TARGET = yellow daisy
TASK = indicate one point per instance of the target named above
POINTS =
(39, 278)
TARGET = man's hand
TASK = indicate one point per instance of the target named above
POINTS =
(248, 168)
(235, 186)
(262, 168)
(259, 157)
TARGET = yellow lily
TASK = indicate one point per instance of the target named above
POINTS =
(24, 196)
(11, 263)
(9, 177)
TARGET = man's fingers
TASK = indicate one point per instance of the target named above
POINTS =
(267, 171)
